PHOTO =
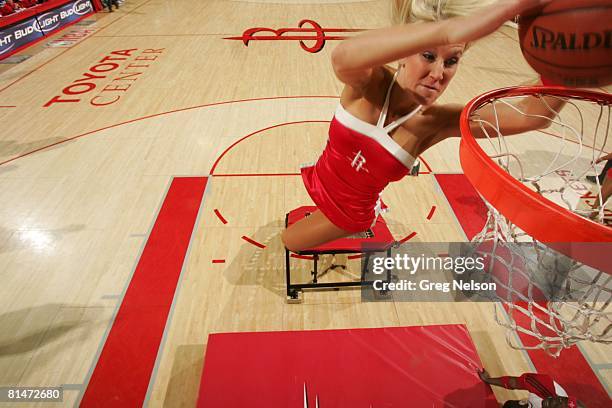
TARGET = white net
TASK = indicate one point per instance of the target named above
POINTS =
(548, 300)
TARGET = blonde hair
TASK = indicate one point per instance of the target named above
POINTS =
(417, 11)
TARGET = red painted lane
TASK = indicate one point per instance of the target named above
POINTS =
(463, 198)
(123, 371)
(570, 370)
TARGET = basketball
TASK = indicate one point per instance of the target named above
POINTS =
(569, 42)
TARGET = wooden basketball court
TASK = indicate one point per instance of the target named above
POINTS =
(95, 135)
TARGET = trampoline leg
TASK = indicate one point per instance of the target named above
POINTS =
(293, 295)
(315, 272)
(288, 272)
(364, 266)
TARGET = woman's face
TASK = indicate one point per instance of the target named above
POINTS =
(428, 73)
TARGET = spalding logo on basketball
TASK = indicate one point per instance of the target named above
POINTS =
(569, 42)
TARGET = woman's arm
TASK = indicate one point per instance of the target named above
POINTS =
(603, 158)
(527, 114)
(354, 59)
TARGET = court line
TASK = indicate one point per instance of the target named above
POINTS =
(161, 114)
(110, 297)
(429, 169)
(221, 217)
(408, 237)
(212, 170)
(161, 35)
(253, 242)
(256, 174)
(273, 174)
(507, 35)
(307, 257)
(566, 139)
(431, 212)
(597, 369)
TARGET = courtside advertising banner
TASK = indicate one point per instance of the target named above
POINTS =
(61, 16)
(18, 35)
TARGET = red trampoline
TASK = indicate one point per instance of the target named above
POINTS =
(377, 239)
(394, 367)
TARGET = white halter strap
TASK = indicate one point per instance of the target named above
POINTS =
(383, 114)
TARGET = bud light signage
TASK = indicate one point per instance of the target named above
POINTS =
(61, 16)
(18, 35)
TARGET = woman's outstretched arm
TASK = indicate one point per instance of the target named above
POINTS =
(354, 58)
(516, 117)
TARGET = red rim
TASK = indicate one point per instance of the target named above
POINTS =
(539, 217)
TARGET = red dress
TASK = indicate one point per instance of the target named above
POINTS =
(359, 161)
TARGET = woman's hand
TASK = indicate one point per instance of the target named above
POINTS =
(354, 59)
(488, 19)
(604, 158)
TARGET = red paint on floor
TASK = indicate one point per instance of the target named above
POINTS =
(570, 370)
(408, 237)
(253, 242)
(123, 371)
(218, 214)
(431, 212)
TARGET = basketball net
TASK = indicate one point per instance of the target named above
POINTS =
(551, 290)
